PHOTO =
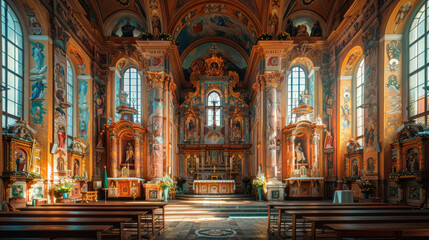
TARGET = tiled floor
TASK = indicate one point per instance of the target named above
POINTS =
(245, 228)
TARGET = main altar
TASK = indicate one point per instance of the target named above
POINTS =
(214, 186)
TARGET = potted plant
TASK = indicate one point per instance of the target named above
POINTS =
(164, 37)
(283, 36)
(146, 36)
(64, 188)
(260, 182)
(265, 36)
(366, 187)
(180, 182)
(166, 183)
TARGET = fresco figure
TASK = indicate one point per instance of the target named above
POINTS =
(38, 89)
(61, 132)
(38, 58)
(127, 30)
(402, 13)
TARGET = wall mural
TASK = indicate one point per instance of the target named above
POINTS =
(38, 82)
(83, 109)
(215, 20)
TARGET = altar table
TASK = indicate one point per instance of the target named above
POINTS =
(214, 186)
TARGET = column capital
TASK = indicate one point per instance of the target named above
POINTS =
(270, 79)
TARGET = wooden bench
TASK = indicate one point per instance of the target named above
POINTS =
(318, 222)
(115, 222)
(53, 231)
(135, 215)
(272, 216)
(381, 230)
(299, 214)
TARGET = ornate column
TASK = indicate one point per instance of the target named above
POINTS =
(114, 154)
(138, 154)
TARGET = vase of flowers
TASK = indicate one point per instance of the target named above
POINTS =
(283, 36)
(260, 183)
(164, 37)
(166, 183)
(145, 36)
(366, 187)
(180, 182)
(64, 188)
(265, 36)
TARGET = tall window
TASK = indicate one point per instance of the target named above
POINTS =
(360, 78)
(419, 67)
(70, 95)
(12, 69)
(297, 80)
(132, 86)
(213, 109)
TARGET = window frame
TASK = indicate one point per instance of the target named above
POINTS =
(356, 106)
(208, 109)
(10, 7)
(138, 118)
(290, 107)
(406, 75)
(73, 103)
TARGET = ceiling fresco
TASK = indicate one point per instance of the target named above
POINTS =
(215, 25)
(234, 61)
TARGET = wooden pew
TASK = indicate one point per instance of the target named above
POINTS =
(272, 205)
(135, 215)
(318, 222)
(381, 230)
(368, 212)
(149, 209)
(53, 231)
(115, 222)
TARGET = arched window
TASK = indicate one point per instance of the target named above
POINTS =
(297, 83)
(213, 109)
(70, 100)
(132, 86)
(418, 67)
(359, 101)
(12, 69)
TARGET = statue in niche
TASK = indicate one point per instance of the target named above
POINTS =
(301, 30)
(355, 168)
(192, 129)
(412, 160)
(316, 31)
(305, 97)
(236, 129)
(128, 30)
(129, 154)
(300, 156)
(76, 168)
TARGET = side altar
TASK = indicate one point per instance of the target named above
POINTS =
(302, 155)
(214, 186)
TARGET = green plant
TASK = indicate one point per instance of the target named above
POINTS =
(145, 36)
(164, 37)
(166, 182)
(79, 178)
(259, 181)
(283, 36)
(265, 36)
(180, 181)
(65, 186)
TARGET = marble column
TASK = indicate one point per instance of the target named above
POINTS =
(138, 155)
(114, 155)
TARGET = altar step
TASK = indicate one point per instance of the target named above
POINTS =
(214, 209)
(227, 197)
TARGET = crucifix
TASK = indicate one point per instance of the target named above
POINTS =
(213, 49)
(214, 108)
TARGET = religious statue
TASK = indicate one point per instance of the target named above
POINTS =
(305, 97)
(127, 30)
(290, 28)
(318, 120)
(20, 162)
(61, 132)
(355, 168)
(300, 156)
(273, 22)
(123, 98)
(301, 31)
(191, 129)
(316, 31)
(129, 154)
(236, 129)
(156, 24)
(402, 13)
(76, 168)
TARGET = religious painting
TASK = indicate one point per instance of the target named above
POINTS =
(37, 192)
(236, 163)
(113, 189)
(191, 129)
(124, 189)
(393, 191)
(412, 160)
(354, 168)
(275, 194)
(18, 191)
(60, 164)
(153, 194)
(370, 164)
(414, 191)
(191, 164)
(237, 128)
(214, 189)
(20, 160)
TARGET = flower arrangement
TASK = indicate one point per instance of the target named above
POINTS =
(65, 186)
(145, 36)
(164, 37)
(79, 178)
(283, 36)
(404, 174)
(265, 36)
(365, 186)
(259, 181)
(166, 182)
(23, 174)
